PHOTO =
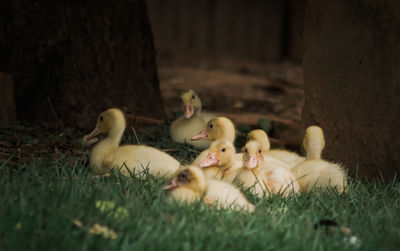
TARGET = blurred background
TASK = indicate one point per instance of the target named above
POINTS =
(242, 57)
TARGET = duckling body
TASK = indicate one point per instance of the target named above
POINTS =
(282, 181)
(226, 173)
(139, 158)
(225, 195)
(190, 185)
(265, 175)
(290, 158)
(321, 174)
(254, 181)
(193, 120)
(314, 171)
(184, 194)
(108, 155)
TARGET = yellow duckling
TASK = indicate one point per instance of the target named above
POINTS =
(265, 174)
(221, 162)
(108, 154)
(191, 122)
(314, 171)
(290, 158)
(217, 128)
(190, 185)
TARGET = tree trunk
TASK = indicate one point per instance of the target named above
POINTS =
(7, 101)
(74, 59)
(352, 90)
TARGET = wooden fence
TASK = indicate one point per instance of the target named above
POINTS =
(263, 30)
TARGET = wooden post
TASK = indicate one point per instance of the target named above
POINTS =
(351, 82)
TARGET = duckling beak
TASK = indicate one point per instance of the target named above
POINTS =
(252, 162)
(189, 110)
(172, 184)
(211, 160)
(90, 138)
(201, 135)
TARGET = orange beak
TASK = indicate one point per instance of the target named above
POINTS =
(211, 160)
(90, 138)
(189, 110)
(171, 184)
(252, 162)
(201, 135)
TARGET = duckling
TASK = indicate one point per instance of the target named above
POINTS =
(191, 122)
(190, 185)
(187, 185)
(222, 162)
(314, 171)
(217, 128)
(264, 173)
(108, 154)
(290, 158)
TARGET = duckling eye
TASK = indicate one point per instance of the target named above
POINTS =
(248, 138)
(259, 151)
(211, 125)
(245, 150)
(223, 149)
(101, 118)
(193, 96)
(183, 177)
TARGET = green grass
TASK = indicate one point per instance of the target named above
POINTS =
(40, 199)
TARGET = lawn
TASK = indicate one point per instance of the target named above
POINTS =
(56, 204)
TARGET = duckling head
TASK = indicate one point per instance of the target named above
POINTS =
(221, 153)
(261, 137)
(253, 154)
(314, 142)
(189, 176)
(110, 123)
(191, 102)
(217, 128)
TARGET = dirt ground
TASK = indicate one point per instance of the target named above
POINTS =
(243, 91)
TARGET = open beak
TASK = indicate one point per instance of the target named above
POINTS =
(189, 110)
(90, 138)
(211, 160)
(252, 162)
(172, 184)
(201, 135)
